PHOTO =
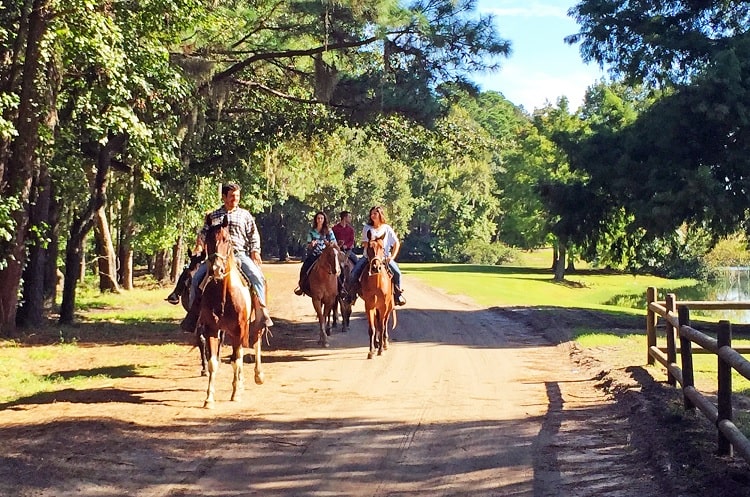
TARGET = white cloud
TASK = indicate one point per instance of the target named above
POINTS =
(533, 89)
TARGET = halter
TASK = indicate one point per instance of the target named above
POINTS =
(334, 268)
(224, 271)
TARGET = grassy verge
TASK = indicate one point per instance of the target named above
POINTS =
(54, 358)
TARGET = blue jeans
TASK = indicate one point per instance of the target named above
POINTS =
(362, 262)
(251, 270)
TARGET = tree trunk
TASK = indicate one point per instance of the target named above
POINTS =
(555, 253)
(83, 224)
(160, 267)
(107, 260)
(282, 238)
(16, 175)
(127, 230)
(571, 262)
(560, 263)
(51, 272)
(176, 266)
(31, 311)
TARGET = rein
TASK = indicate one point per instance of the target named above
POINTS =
(225, 279)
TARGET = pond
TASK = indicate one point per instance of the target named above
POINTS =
(732, 285)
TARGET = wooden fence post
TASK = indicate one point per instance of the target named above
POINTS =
(724, 338)
(671, 346)
(686, 351)
(650, 324)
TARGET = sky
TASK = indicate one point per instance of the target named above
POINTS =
(541, 67)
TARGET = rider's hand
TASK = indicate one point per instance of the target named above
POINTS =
(255, 256)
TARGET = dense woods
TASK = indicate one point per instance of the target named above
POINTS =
(120, 119)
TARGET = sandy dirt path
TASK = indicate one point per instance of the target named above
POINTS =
(466, 401)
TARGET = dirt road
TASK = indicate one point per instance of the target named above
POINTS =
(467, 401)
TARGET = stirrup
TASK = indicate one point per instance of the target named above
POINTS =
(298, 291)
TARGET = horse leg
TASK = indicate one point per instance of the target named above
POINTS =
(371, 331)
(213, 368)
(328, 311)
(202, 345)
(323, 338)
(238, 381)
(257, 327)
(259, 376)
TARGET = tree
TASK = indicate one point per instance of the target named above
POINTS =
(685, 159)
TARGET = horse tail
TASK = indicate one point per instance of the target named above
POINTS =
(395, 319)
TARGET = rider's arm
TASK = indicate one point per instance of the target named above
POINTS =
(394, 250)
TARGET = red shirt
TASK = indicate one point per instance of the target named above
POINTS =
(344, 236)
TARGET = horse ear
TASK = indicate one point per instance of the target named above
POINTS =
(369, 235)
(225, 221)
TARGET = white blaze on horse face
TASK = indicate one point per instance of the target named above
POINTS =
(337, 263)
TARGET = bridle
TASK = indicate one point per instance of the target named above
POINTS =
(220, 263)
(333, 265)
(375, 262)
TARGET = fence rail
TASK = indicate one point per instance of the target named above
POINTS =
(676, 315)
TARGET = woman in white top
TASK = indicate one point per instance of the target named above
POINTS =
(378, 226)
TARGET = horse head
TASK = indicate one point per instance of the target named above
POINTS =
(375, 252)
(330, 258)
(220, 250)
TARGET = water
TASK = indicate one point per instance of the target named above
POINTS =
(732, 285)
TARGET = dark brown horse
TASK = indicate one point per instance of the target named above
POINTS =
(344, 302)
(323, 283)
(377, 294)
(181, 295)
(227, 305)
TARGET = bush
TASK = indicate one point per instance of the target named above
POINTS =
(483, 252)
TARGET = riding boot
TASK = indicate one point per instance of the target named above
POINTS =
(173, 298)
(398, 298)
(266, 317)
(299, 290)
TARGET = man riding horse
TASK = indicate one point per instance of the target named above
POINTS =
(376, 227)
(344, 233)
(246, 242)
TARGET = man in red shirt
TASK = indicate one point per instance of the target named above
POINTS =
(344, 233)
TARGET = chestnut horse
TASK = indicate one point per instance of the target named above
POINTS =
(227, 305)
(377, 294)
(323, 288)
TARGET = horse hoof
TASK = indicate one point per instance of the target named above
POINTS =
(328, 332)
(369, 355)
(208, 405)
(380, 352)
(236, 398)
(259, 378)
(204, 372)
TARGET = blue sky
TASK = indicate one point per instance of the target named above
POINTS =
(542, 67)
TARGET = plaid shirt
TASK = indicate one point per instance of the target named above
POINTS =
(242, 229)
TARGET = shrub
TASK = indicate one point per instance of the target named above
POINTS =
(484, 252)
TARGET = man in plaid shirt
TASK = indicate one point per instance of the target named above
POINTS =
(246, 241)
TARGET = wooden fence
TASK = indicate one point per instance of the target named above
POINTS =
(676, 316)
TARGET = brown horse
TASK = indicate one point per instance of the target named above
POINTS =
(344, 303)
(377, 294)
(323, 288)
(227, 305)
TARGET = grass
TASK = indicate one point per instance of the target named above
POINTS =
(531, 283)
(60, 358)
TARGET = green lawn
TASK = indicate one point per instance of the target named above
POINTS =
(534, 286)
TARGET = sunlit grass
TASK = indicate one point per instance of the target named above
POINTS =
(28, 371)
(523, 286)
